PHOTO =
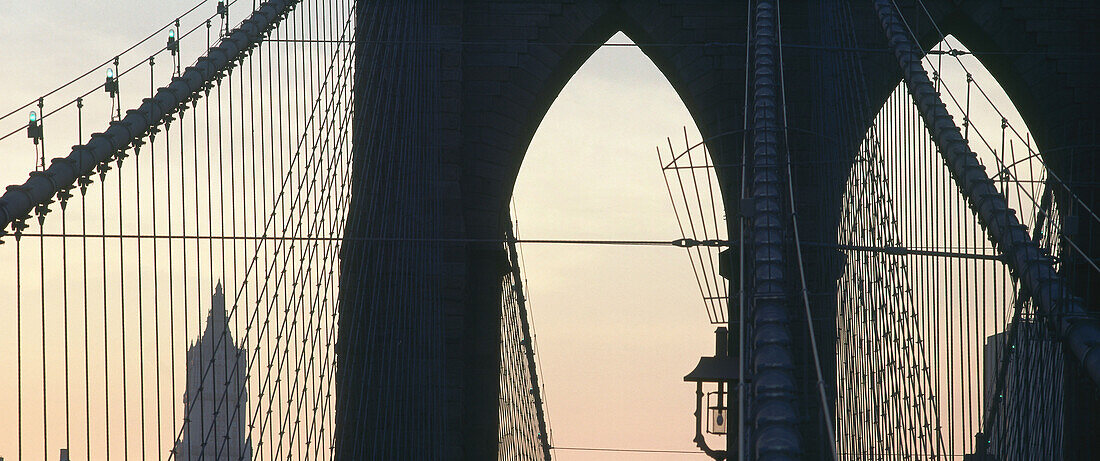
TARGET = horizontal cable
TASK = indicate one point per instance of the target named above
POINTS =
(628, 450)
(903, 251)
(363, 239)
(952, 52)
(681, 243)
(575, 43)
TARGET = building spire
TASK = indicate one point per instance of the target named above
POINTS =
(216, 372)
(218, 319)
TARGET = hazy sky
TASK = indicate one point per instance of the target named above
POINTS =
(617, 327)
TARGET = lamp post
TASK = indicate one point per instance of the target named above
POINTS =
(713, 378)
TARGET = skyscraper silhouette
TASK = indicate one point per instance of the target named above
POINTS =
(215, 401)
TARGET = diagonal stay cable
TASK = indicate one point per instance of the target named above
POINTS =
(293, 206)
(254, 317)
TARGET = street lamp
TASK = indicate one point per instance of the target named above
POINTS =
(713, 378)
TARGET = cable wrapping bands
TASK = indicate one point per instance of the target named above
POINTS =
(1029, 263)
(18, 201)
(775, 417)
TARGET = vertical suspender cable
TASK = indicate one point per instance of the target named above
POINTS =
(83, 184)
(103, 167)
(742, 349)
(19, 336)
(156, 275)
(42, 299)
(122, 306)
(170, 273)
(64, 196)
(140, 289)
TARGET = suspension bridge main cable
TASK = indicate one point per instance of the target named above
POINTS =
(1005, 168)
(775, 396)
(1033, 363)
(18, 201)
(1065, 312)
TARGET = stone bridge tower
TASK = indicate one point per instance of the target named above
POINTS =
(450, 93)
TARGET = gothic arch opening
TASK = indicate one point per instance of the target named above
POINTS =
(946, 296)
(617, 326)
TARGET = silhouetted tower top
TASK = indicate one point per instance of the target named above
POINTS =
(215, 402)
(217, 320)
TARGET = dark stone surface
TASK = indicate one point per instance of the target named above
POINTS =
(442, 127)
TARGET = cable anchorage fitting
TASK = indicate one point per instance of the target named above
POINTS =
(689, 243)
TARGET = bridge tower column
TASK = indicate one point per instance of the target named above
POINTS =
(418, 349)
(448, 96)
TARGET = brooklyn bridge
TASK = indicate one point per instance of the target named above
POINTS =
(289, 229)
